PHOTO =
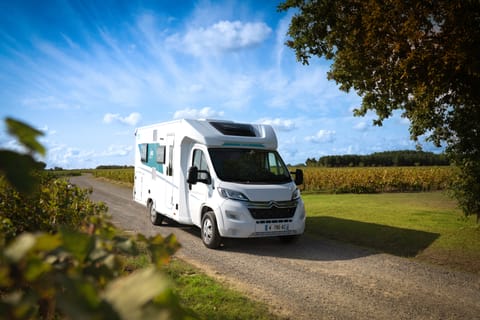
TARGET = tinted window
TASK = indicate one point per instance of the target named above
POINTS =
(249, 165)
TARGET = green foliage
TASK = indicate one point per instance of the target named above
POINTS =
(419, 57)
(113, 167)
(466, 188)
(377, 179)
(54, 203)
(18, 169)
(26, 135)
(61, 258)
(121, 175)
(400, 158)
(78, 275)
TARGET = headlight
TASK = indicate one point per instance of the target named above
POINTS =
(232, 194)
(296, 194)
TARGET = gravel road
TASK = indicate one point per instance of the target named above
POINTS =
(311, 279)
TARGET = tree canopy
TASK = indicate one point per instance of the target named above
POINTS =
(420, 57)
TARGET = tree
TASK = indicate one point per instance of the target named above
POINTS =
(421, 57)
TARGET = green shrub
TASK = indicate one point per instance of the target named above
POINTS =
(53, 203)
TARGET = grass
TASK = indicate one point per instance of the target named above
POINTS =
(425, 226)
(211, 300)
(202, 295)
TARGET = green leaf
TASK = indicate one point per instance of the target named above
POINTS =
(18, 170)
(20, 247)
(162, 249)
(35, 267)
(26, 135)
(130, 294)
(78, 244)
(126, 245)
(48, 242)
(80, 300)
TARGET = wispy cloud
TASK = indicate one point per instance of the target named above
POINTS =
(322, 136)
(279, 124)
(132, 119)
(203, 113)
(117, 150)
(361, 126)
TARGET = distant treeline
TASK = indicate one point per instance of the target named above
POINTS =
(382, 159)
(112, 167)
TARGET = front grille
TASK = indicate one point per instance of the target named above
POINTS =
(273, 210)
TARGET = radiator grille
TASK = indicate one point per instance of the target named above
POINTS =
(273, 210)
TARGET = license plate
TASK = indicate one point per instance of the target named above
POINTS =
(273, 227)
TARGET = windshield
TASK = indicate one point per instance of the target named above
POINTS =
(249, 166)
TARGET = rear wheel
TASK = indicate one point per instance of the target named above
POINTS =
(155, 218)
(210, 235)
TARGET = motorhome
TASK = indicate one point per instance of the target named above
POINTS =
(224, 177)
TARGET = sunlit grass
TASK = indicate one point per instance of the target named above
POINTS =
(424, 225)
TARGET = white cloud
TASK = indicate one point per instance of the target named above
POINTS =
(117, 150)
(203, 113)
(59, 155)
(132, 119)
(47, 131)
(361, 126)
(280, 124)
(221, 36)
(322, 136)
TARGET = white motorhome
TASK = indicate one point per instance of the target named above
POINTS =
(224, 177)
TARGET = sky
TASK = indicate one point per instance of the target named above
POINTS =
(87, 73)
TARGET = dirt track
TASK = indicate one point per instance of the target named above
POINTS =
(312, 279)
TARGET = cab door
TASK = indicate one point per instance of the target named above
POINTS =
(198, 193)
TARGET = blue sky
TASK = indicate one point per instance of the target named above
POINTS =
(87, 73)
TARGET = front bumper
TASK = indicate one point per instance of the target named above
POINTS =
(236, 220)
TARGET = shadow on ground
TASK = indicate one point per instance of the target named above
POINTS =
(397, 241)
(338, 239)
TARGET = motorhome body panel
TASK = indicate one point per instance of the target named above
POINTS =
(165, 152)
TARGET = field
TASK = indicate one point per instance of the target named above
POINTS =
(376, 179)
(120, 175)
(348, 180)
(426, 226)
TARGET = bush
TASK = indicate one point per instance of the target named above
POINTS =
(61, 258)
(53, 203)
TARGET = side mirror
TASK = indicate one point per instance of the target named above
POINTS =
(192, 175)
(298, 177)
(204, 177)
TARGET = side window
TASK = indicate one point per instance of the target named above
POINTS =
(160, 154)
(143, 152)
(200, 162)
(275, 164)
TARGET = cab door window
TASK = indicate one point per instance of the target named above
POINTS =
(200, 161)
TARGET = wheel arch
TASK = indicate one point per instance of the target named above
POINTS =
(150, 202)
(218, 216)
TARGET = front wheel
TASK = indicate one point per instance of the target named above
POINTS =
(155, 218)
(210, 236)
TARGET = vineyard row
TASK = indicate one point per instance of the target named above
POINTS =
(349, 180)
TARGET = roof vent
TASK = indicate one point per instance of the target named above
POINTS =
(234, 129)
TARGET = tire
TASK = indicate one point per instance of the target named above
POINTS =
(210, 236)
(155, 218)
